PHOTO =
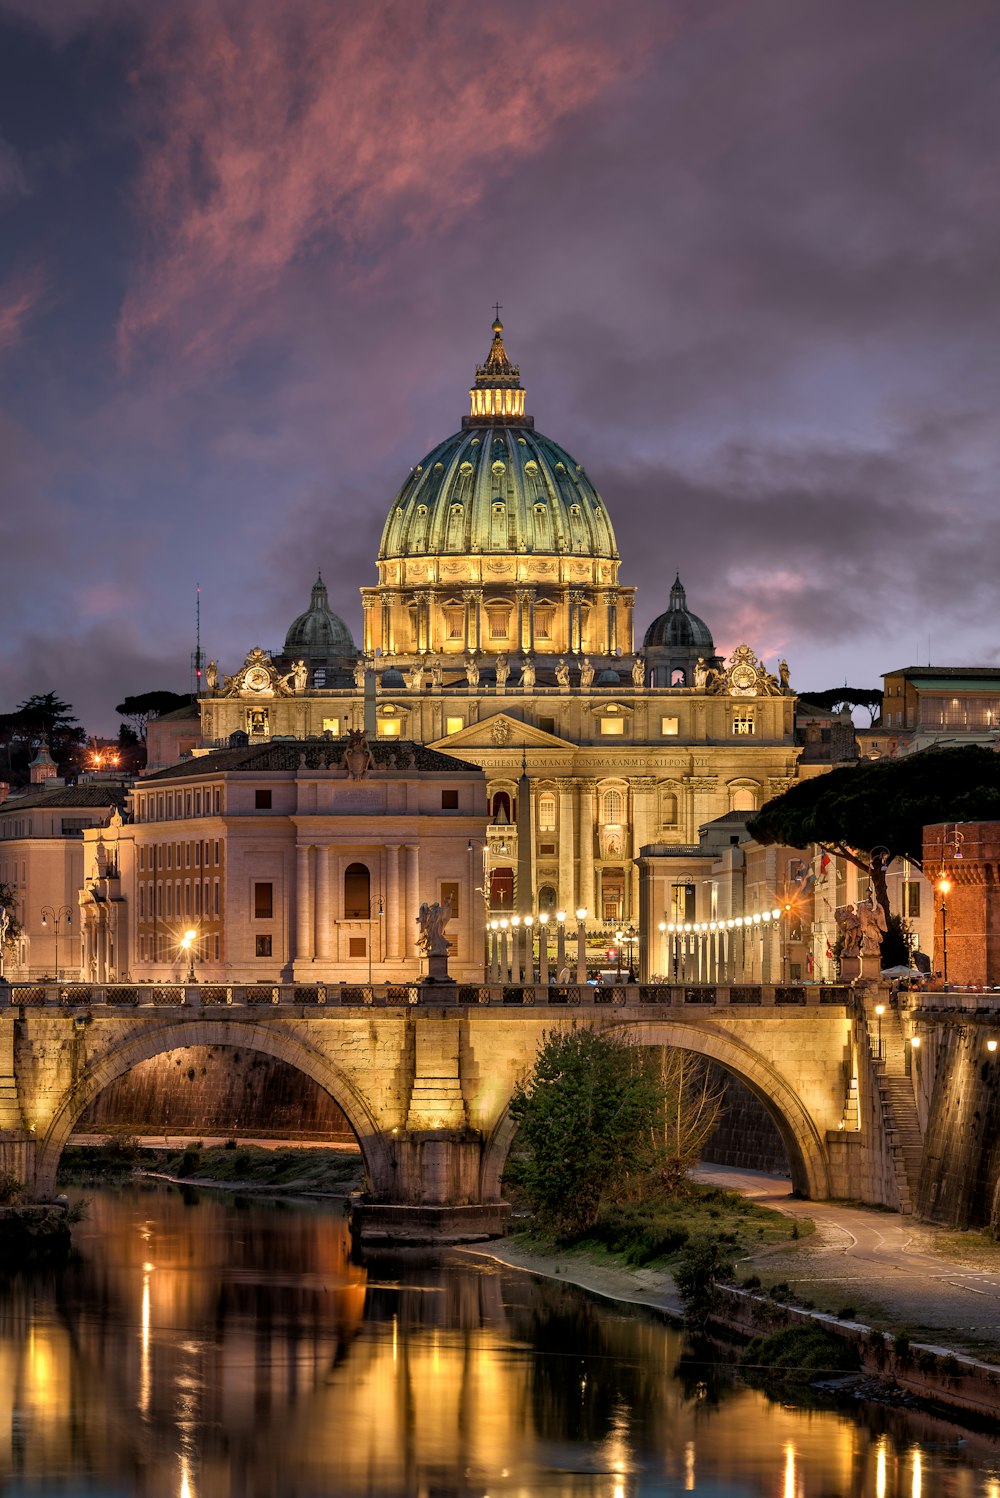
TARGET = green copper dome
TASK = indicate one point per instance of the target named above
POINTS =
(319, 634)
(498, 485)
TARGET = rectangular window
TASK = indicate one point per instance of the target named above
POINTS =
(612, 726)
(668, 727)
(498, 623)
(216, 946)
(216, 898)
(263, 902)
(332, 725)
(450, 892)
(547, 725)
(197, 803)
(454, 725)
(217, 853)
(197, 856)
(218, 802)
(170, 855)
(449, 801)
(743, 727)
(142, 900)
(262, 800)
(911, 898)
(142, 949)
(142, 857)
(388, 728)
(262, 946)
(197, 899)
(357, 946)
(456, 623)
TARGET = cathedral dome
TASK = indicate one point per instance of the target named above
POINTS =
(498, 486)
(678, 627)
(319, 634)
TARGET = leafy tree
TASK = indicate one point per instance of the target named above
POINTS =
(874, 811)
(588, 1115)
(704, 1264)
(835, 699)
(138, 709)
(43, 716)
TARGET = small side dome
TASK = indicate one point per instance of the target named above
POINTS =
(607, 678)
(319, 634)
(392, 680)
(679, 628)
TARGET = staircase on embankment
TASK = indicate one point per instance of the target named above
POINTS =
(899, 1110)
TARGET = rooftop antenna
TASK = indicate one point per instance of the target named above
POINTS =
(196, 659)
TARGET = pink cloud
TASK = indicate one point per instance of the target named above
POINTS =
(269, 133)
(19, 298)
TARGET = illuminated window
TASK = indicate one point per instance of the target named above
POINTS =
(263, 902)
(453, 725)
(388, 728)
(612, 808)
(742, 798)
(678, 678)
(612, 725)
(498, 623)
(911, 897)
(543, 623)
(319, 677)
(743, 725)
(331, 725)
(547, 812)
(455, 620)
(668, 727)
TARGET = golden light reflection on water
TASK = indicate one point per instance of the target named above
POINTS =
(262, 1361)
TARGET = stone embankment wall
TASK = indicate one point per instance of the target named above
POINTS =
(960, 1179)
(216, 1090)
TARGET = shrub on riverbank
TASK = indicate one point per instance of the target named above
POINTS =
(291, 1169)
(797, 1354)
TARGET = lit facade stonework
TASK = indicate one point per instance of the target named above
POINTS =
(286, 868)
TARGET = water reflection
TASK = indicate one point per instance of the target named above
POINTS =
(206, 1350)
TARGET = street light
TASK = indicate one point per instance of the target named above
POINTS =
(56, 914)
(560, 943)
(631, 937)
(529, 949)
(618, 944)
(944, 887)
(543, 946)
(187, 945)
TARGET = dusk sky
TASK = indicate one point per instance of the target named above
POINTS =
(748, 253)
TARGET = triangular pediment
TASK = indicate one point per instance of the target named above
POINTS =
(500, 731)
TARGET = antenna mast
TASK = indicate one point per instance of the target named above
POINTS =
(196, 657)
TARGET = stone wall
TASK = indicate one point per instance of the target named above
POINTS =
(961, 1169)
(746, 1135)
(216, 1090)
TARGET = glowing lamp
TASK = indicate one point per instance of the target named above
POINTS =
(991, 1045)
(581, 913)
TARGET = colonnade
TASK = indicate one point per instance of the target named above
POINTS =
(511, 941)
(746, 949)
(421, 615)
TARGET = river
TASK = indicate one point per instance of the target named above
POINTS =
(211, 1347)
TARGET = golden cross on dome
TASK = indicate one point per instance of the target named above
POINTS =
(496, 308)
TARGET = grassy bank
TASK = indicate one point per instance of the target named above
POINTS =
(655, 1235)
(296, 1171)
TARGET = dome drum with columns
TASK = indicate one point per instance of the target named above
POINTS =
(498, 543)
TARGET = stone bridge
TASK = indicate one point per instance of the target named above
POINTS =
(426, 1084)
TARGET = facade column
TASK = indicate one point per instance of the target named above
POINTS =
(303, 903)
(587, 895)
(324, 912)
(643, 789)
(477, 632)
(575, 620)
(468, 598)
(567, 886)
(524, 598)
(412, 901)
(393, 912)
(368, 604)
(612, 621)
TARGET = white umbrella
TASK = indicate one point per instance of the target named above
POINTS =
(901, 972)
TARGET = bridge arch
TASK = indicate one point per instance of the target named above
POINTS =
(802, 1139)
(145, 1044)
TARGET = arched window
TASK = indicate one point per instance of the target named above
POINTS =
(546, 812)
(742, 798)
(500, 810)
(357, 892)
(668, 809)
(546, 898)
(612, 808)
(498, 535)
(456, 526)
(678, 677)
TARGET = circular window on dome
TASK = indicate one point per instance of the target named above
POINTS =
(465, 468)
(499, 467)
(560, 468)
(474, 442)
(438, 467)
(531, 466)
(421, 509)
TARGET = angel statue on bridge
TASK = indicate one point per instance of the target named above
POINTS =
(432, 921)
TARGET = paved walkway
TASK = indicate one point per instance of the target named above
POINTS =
(895, 1272)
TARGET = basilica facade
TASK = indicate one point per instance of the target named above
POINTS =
(499, 631)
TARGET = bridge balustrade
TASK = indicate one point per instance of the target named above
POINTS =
(327, 996)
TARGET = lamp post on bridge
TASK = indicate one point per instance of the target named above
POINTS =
(581, 945)
(187, 945)
(944, 889)
(57, 914)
